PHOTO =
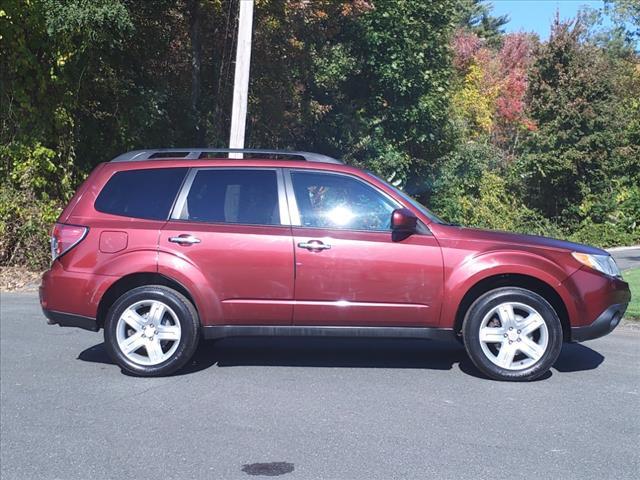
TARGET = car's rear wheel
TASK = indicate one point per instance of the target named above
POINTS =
(512, 334)
(151, 331)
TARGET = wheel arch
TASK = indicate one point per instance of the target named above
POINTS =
(528, 282)
(131, 281)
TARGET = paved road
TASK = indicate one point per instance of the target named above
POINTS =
(323, 408)
(627, 258)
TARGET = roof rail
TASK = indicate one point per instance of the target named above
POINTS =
(196, 153)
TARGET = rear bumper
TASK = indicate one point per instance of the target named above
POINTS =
(601, 326)
(71, 299)
(70, 320)
(62, 293)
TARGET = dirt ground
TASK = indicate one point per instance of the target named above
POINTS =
(13, 279)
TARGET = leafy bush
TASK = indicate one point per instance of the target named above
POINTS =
(36, 187)
(473, 190)
(610, 220)
(25, 223)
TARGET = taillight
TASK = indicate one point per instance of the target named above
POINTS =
(65, 237)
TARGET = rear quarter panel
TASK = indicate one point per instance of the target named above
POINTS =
(138, 236)
(94, 264)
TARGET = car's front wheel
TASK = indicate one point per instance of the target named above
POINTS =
(151, 331)
(512, 334)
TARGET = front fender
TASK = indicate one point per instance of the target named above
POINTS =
(460, 278)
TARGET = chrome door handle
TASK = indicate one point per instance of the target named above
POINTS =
(184, 239)
(314, 245)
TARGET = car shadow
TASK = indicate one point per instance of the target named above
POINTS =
(577, 357)
(347, 353)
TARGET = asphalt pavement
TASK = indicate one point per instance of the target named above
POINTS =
(626, 257)
(309, 409)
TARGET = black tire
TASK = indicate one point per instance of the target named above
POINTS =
(186, 314)
(483, 306)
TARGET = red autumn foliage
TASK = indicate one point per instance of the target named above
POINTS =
(465, 47)
(516, 51)
(504, 71)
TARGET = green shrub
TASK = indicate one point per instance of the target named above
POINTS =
(611, 218)
(473, 189)
(37, 184)
(603, 235)
(25, 223)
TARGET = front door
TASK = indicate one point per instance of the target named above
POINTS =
(350, 271)
(232, 224)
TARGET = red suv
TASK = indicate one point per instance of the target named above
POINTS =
(161, 247)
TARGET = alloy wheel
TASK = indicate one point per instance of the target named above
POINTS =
(148, 332)
(514, 336)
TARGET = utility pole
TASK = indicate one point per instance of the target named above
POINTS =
(241, 78)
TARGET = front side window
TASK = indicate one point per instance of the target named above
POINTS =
(328, 200)
(233, 196)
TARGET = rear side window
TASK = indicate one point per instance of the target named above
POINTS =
(233, 196)
(145, 193)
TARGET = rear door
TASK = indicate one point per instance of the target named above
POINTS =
(350, 269)
(233, 225)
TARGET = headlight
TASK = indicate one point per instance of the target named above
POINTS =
(603, 263)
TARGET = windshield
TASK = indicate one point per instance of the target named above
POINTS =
(428, 213)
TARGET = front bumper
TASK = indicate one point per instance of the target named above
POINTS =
(595, 303)
(601, 326)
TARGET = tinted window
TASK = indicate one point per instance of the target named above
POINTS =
(141, 193)
(233, 196)
(337, 201)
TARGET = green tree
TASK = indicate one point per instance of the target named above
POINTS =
(581, 164)
(571, 96)
(365, 81)
(476, 16)
(405, 65)
(626, 15)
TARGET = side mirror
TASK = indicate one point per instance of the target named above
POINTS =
(403, 220)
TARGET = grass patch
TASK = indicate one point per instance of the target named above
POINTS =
(633, 277)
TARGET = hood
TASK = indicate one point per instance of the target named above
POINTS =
(518, 239)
